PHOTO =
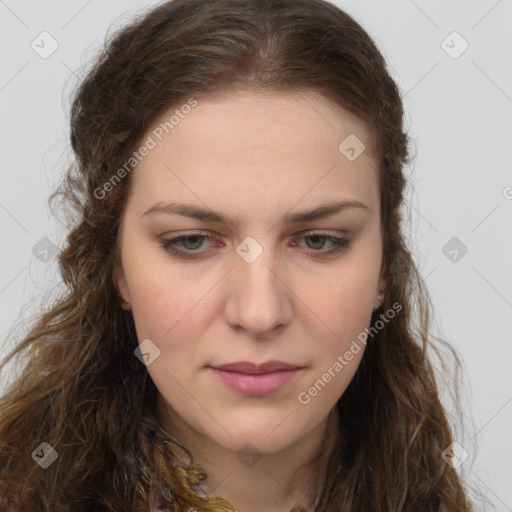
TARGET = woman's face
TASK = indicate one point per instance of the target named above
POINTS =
(242, 175)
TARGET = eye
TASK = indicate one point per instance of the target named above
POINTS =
(196, 240)
(318, 240)
(192, 243)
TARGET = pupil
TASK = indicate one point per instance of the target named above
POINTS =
(197, 238)
(321, 237)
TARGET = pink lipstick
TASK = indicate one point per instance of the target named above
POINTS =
(256, 380)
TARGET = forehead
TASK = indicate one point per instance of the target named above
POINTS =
(249, 145)
(252, 118)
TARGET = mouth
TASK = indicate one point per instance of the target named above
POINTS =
(255, 380)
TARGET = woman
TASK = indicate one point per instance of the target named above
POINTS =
(211, 352)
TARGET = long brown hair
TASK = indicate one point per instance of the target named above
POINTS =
(84, 392)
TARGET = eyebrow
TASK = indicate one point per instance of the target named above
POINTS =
(196, 212)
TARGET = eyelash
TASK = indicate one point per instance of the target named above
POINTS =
(341, 244)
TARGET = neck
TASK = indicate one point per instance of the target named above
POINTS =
(275, 482)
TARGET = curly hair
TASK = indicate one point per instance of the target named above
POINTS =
(82, 390)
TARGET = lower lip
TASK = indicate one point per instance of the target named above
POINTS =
(262, 384)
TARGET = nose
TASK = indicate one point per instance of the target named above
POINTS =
(259, 300)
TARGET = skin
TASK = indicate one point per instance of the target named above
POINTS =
(253, 157)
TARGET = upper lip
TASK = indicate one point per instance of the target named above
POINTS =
(253, 368)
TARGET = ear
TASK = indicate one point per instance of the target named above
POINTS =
(122, 287)
(381, 289)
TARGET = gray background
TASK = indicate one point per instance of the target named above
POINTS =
(458, 114)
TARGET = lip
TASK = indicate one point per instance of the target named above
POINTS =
(256, 380)
(254, 368)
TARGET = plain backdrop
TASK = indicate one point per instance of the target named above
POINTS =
(451, 60)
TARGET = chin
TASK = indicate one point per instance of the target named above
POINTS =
(263, 435)
(257, 443)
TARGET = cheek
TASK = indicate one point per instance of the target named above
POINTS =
(343, 299)
(166, 312)
(341, 303)
(337, 342)
(346, 322)
(161, 297)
